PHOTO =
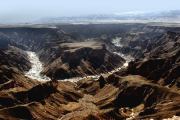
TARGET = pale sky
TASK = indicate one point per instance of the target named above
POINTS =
(24, 10)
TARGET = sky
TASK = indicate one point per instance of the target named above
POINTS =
(27, 10)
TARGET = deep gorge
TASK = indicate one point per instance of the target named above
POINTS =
(147, 87)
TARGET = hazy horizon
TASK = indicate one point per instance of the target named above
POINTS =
(21, 10)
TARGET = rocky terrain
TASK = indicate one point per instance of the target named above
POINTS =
(61, 57)
(147, 89)
(82, 59)
(161, 64)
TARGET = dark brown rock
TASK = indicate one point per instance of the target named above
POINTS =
(82, 59)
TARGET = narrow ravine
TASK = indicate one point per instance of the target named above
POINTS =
(36, 68)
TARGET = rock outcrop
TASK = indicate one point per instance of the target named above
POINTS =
(82, 59)
(161, 64)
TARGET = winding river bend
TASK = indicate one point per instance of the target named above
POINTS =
(37, 66)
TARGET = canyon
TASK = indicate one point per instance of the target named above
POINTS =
(90, 72)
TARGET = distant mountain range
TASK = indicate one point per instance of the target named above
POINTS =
(163, 16)
(171, 16)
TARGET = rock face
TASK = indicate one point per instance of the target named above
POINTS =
(42, 101)
(15, 57)
(162, 63)
(12, 61)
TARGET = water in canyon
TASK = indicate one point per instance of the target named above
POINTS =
(36, 67)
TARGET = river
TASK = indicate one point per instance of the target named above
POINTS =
(36, 67)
